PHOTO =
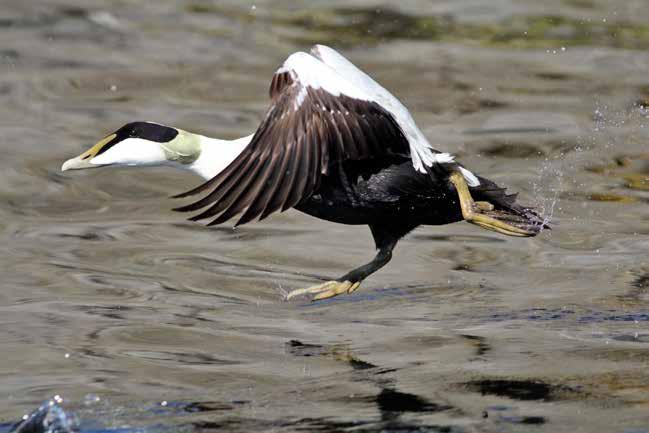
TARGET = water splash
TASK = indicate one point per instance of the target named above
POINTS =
(547, 188)
(609, 132)
(48, 418)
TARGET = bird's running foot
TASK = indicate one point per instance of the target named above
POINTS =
(482, 213)
(326, 290)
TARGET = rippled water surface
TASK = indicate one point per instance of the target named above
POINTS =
(108, 295)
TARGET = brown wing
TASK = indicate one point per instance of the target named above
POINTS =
(305, 130)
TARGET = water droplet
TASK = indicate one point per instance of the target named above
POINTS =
(90, 399)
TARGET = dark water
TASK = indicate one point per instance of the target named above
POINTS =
(107, 295)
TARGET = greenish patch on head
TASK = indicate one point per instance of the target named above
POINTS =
(184, 149)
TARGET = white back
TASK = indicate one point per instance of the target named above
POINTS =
(420, 148)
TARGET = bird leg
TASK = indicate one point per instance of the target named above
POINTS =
(328, 289)
(476, 212)
(385, 240)
(348, 282)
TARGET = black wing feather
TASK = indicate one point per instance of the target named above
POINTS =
(302, 134)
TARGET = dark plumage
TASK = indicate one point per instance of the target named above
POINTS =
(347, 159)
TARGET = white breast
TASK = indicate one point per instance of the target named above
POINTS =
(216, 155)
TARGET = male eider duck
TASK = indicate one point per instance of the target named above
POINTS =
(334, 144)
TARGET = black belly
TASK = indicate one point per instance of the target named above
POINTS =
(396, 194)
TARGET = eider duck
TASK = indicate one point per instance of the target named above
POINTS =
(333, 144)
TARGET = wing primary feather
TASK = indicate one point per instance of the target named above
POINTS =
(217, 193)
(323, 137)
(294, 164)
(227, 172)
(303, 154)
(279, 82)
(282, 189)
(314, 158)
(233, 193)
(226, 179)
(272, 203)
(264, 194)
(269, 186)
(348, 148)
(359, 139)
(247, 194)
(321, 110)
(373, 144)
(215, 180)
(288, 174)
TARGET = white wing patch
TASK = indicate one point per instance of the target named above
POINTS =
(471, 178)
(311, 72)
(420, 149)
(337, 75)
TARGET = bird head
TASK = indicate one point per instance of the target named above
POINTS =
(139, 143)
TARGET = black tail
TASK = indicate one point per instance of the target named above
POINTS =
(506, 208)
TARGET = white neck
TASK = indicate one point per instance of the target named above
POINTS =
(216, 155)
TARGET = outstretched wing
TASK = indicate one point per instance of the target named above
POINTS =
(422, 153)
(316, 119)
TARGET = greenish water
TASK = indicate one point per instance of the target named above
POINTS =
(105, 292)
